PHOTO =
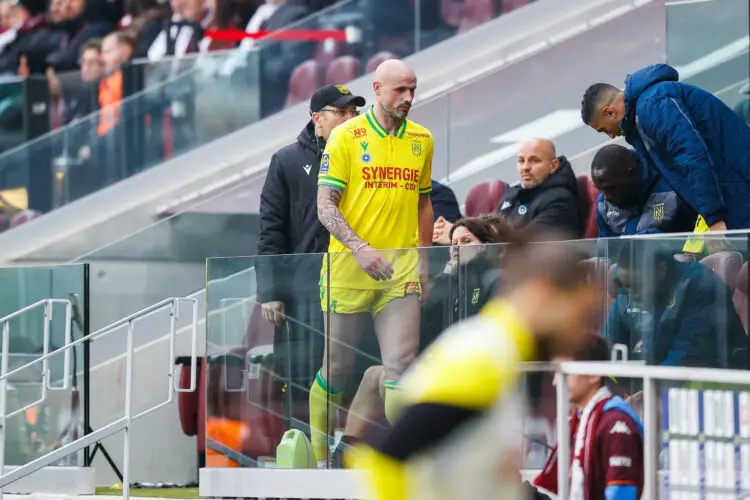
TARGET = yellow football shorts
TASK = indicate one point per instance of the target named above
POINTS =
(354, 291)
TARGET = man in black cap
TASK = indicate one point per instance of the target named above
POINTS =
(288, 285)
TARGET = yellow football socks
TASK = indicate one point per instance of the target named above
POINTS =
(324, 404)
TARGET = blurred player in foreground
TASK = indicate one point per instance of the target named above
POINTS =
(459, 435)
(606, 437)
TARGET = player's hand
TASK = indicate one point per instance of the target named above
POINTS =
(718, 243)
(441, 231)
(424, 279)
(373, 263)
(273, 312)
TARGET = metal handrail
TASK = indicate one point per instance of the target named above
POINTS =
(122, 424)
(48, 305)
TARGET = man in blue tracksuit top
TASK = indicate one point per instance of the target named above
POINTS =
(634, 198)
(699, 145)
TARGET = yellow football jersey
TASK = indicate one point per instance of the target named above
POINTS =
(382, 176)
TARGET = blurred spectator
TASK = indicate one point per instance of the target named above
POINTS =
(139, 13)
(444, 203)
(279, 58)
(75, 98)
(606, 437)
(183, 33)
(674, 313)
(29, 40)
(695, 140)
(57, 10)
(83, 20)
(546, 195)
(5, 16)
(635, 199)
(117, 48)
(743, 107)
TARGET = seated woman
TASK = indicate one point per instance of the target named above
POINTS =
(468, 281)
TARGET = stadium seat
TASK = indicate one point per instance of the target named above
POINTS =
(303, 83)
(476, 12)
(510, 5)
(191, 406)
(342, 70)
(726, 265)
(587, 195)
(740, 297)
(450, 11)
(378, 58)
(484, 197)
(327, 51)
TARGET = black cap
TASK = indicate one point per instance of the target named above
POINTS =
(337, 96)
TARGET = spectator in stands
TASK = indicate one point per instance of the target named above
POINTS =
(77, 98)
(546, 195)
(606, 437)
(117, 48)
(634, 198)
(83, 20)
(24, 47)
(288, 287)
(444, 202)
(695, 140)
(5, 16)
(743, 107)
(279, 58)
(139, 13)
(454, 295)
(674, 313)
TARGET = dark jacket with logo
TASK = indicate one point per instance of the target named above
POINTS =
(696, 142)
(289, 220)
(696, 325)
(554, 203)
(653, 207)
(459, 295)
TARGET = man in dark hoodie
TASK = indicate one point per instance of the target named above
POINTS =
(30, 39)
(634, 198)
(288, 286)
(84, 20)
(696, 141)
(545, 196)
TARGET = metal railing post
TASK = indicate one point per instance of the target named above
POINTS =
(650, 438)
(128, 411)
(4, 396)
(563, 435)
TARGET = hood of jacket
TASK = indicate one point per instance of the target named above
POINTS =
(636, 83)
(563, 177)
(308, 140)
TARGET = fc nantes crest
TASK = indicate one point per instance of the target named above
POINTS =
(658, 212)
(343, 89)
(416, 148)
(475, 296)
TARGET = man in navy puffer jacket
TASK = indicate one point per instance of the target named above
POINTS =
(699, 145)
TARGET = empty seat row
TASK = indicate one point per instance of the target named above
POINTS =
(313, 73)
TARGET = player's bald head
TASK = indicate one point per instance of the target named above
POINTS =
(394, 85)
(393, 70)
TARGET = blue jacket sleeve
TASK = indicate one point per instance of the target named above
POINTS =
(621, 492)
(665, 120)
(615, 330)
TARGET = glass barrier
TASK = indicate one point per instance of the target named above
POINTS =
(11, 114)
(56, 417)
(722, 45)
(660, 306)
(190, 101)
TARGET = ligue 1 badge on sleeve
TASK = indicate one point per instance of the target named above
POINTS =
(325, 163)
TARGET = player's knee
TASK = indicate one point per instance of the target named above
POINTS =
(371, 379)
(399, 364)
(336, 372)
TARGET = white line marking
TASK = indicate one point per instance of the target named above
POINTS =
(714, 58)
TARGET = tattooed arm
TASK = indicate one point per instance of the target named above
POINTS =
(332, 219)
